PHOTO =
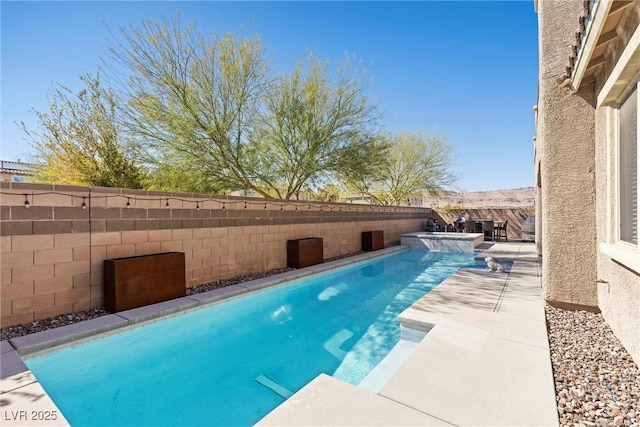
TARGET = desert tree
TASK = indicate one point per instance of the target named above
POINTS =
(212, 103)
(415, 163)
(194, 99)
(79, 141)
(173, 171)
(329, 192)
(316, 127)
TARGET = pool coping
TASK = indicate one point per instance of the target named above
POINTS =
(54, 339)
(322, 393)
(20, 391)
(485, 360)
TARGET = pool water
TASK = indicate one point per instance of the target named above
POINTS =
(234, 362)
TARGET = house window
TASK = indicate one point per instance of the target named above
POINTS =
(628, 168)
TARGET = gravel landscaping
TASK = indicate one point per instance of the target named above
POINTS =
(597, 382)
(50, 323)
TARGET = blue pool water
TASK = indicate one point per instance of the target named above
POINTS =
(234, 362)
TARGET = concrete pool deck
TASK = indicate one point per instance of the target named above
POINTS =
(484, 361)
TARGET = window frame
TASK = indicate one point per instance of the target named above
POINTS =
(622, 252)
(629, 91)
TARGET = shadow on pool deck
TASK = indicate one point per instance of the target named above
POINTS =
(485, 360)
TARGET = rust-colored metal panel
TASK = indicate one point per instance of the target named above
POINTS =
(372, 240)
(304, 252)
(142, 280)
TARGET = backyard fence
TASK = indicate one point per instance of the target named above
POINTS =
(54, 239)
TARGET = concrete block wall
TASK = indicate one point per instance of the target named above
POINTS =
(52, 253)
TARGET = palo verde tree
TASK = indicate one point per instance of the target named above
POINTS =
(78, 141)
(211, 103)
(315, 129)
(193, 99)
(415, 163)
(174, 171)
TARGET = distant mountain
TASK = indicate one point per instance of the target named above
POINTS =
(510, 198)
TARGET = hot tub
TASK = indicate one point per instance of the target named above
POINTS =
(446, 242)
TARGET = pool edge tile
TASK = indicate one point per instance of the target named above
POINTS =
(53, 337)
(152, 311)
(11, 364)
(219, 294)
(5, 346)
(262, 283)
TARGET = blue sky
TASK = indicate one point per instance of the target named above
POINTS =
(466, 70)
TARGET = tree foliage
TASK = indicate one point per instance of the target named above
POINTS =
(173, 172)
(416, 163)
(212, 103)
(77, 141)
(193, 99)
(327, 193)
(205, 114)
(315, 129)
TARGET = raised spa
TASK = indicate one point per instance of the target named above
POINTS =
(447, 242)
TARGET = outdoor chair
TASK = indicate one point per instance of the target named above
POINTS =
(488, 229)
(469, 226)
(501, 231)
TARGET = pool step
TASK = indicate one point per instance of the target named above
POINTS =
(274, 386)
(332, 345)
(410, 337)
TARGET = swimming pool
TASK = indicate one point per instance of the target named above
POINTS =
(233, 362)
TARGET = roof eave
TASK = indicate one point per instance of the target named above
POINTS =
(590, 41)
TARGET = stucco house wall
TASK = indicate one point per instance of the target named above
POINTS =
(566, 154)
(580, 114)
(618, 286)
